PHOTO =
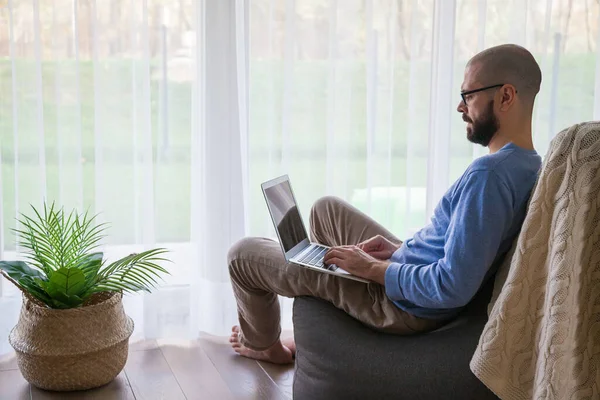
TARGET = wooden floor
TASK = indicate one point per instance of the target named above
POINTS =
(206, 368)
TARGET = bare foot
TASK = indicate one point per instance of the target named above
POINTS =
(281, 352)
(290, 344)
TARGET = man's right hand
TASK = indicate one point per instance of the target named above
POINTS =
(379, 247)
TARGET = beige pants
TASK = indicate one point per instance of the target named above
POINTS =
(259, 273)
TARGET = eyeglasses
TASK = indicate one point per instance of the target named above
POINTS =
(464, 94)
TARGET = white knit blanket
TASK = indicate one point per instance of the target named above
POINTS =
(542, 340)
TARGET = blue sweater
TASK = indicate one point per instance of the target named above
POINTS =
(439, 270)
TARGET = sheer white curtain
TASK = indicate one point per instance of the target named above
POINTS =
(358, 98)
(165, 116)
(133, 110)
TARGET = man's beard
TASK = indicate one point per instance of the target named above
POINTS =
(483, 130)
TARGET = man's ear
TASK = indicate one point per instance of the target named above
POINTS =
(508, 96)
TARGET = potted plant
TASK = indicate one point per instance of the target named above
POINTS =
(73, 333)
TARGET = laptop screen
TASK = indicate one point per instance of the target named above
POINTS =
(285, 214)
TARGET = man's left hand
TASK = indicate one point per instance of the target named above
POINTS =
(357, 262)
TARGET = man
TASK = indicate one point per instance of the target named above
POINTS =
(422, 283)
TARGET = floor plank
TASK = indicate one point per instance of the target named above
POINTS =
(173, 369)
(13, 386)
(245, 378)
(282, 375)
(118, 389)
(150, 376)
(194, 371)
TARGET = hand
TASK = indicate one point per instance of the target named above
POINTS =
(379, 247)
(357, 262)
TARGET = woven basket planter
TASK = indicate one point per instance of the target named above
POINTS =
(73, 349)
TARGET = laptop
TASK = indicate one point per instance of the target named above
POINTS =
(295, 244)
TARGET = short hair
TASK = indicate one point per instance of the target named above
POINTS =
(509, 63)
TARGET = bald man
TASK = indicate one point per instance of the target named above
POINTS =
(422, 283)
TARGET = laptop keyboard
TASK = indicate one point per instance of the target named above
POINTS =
(315, 256)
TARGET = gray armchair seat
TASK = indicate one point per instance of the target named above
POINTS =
(340, 358)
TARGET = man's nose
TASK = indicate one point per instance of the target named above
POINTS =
(461, 107)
